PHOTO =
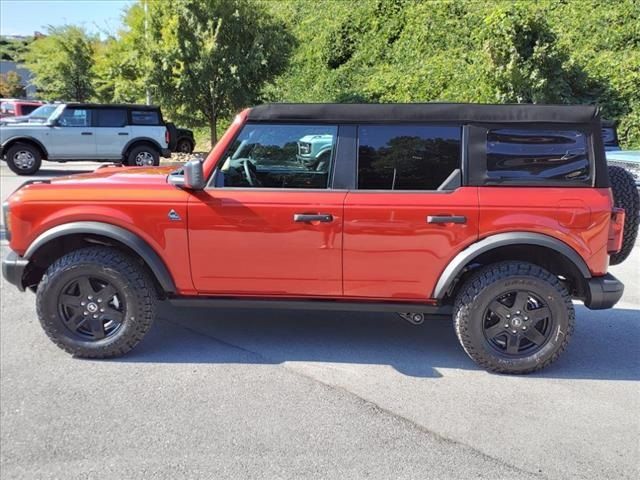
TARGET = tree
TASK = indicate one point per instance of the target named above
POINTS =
(11, 85)
(205, 59)
(62, 63)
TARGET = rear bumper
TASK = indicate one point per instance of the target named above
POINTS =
(604, 292)
(13, 267)
(165, 152)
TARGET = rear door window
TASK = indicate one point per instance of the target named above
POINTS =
(537, 155)
(407, 157)
(145, 117)
(111, 117)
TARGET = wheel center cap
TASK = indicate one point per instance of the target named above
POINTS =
(516, 322)
(92, 307)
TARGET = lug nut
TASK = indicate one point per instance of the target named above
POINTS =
(83, 303)
(506, 325)
(508, 316)
(102, 309)
(85, 313)
(514, 331)
(99, 300)
(518, 312)
(524, 328)
(90, 297)
(95, 316)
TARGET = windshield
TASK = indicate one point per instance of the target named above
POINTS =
(43, 112)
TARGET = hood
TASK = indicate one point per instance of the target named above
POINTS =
(116, 175)
(106, 184)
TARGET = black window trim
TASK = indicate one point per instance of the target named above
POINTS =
(461, 160)
(331, 174)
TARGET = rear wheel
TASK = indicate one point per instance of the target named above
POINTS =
(513, 317)
(184, 146)
(143, 156)
(625, 195)
(96, 302)
(24, 159)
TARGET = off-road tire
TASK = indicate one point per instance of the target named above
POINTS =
(625, 195)
(184, 146)
(16, 149)
(127, 275)
(141, 149)
(488, 284)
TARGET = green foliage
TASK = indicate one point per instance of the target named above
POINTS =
(62, 63)
(11, 85)
(201, 59)
(13, 50)
(569, 51)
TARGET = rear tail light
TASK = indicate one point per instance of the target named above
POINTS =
(616, 229)
(167, 136)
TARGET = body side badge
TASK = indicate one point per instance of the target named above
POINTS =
(173, 216)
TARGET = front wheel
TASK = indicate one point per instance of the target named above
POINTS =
(96, 302)
(24, 159)
(513, 317)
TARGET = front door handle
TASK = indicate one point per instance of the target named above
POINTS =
(312, 217)
(87, 133)
(441, 219)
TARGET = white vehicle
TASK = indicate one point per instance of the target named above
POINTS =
(134, 135)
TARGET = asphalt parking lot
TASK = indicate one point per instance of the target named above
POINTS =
(250, 394)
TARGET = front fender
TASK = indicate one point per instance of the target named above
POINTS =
(119, 234)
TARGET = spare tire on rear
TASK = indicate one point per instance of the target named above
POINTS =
(173, 136)
(625, 195)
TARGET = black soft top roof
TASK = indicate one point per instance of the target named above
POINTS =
(422, 112)
(111, 105)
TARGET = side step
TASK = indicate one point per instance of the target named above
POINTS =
(332, 305)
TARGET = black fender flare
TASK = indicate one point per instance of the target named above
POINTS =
(25, 139)
(130, 239)
(133, 141)
(466, 256)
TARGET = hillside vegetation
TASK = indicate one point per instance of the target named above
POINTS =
(571, 51)
(203, 60)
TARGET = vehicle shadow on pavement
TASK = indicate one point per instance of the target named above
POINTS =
(605, 345)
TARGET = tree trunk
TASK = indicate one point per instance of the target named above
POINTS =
(212, 127)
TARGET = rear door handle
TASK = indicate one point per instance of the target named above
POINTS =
(446, 219)
(312, 217)
(123, 133)
(87, 133)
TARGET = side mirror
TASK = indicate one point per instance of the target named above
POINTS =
(192, 177)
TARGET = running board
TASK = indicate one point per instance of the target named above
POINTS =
(333, 305)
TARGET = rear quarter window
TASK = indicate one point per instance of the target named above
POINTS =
(535, 156)
(145, 117)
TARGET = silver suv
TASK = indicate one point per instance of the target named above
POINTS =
(131, 134)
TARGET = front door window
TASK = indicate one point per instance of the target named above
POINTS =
(280, 156)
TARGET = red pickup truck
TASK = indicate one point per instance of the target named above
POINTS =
(495, 215)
